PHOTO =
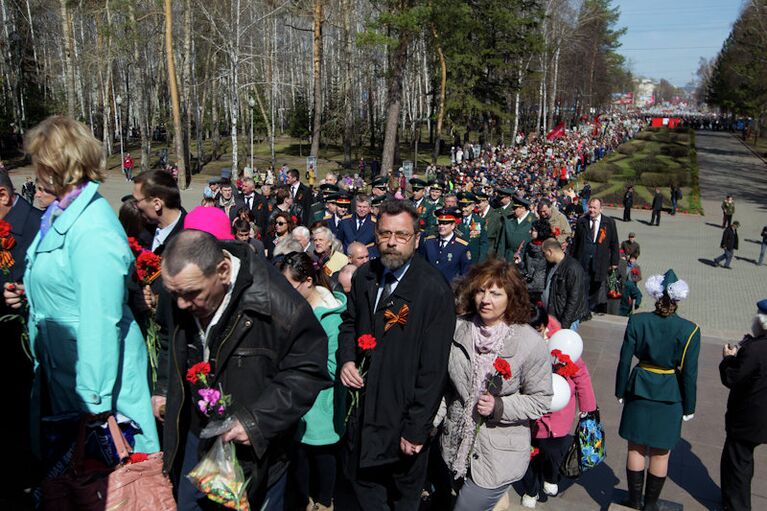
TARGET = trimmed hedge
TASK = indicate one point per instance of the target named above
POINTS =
(628, 149)
(675, 151)
(648, 164)
(598, 174)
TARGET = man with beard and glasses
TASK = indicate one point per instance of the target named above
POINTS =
(407, 306)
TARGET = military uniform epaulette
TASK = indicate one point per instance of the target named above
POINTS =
(461, 241)
(430, 237)
(327, 216)
(346, 217)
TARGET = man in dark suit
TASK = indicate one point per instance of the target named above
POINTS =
(657, 206)
(408, 307)
(729, 244)
(24, 223)
(595, 246)
(301, 195)
(628, 202)
(359, 226)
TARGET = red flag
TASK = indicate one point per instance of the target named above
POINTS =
(557, 132)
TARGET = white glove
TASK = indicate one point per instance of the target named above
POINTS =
(688, 417)
(620, 400)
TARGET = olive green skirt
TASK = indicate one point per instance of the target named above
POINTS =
(652, 423)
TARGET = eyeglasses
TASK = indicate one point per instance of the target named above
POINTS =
(280, 223)
(401, 237)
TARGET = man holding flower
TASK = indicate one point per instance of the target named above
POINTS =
(397, 381)
(264, 353)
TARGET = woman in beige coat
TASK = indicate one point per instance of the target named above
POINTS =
(486, 434)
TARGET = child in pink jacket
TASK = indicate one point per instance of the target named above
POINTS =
(552, 432)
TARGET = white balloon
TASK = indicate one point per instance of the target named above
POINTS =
(568, 342)
(561, 392)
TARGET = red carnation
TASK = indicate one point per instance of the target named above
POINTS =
(294, 219)
(366, 342)
(134, 245)
(147, 267)
(5, 229)
(503, 368)
(137, 457)
(197, 370)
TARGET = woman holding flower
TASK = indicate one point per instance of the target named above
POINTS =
(314, 463)
(89, 354)
(551, 433)
(500, 380)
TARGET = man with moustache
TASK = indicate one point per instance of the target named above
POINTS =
(408, 307)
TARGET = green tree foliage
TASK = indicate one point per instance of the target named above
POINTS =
(299, 122)
(737, 81)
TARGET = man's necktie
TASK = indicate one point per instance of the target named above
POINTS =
(442, 244)
(593, 230)
(389, 281)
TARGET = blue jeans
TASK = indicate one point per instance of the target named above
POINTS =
(762, 252)
(726, 257)
(574, 325)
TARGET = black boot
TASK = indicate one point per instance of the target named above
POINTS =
(635, 481)
(652, 492)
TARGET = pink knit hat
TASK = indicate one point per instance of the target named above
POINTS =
(211, 220)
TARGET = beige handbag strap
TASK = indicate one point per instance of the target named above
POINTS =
(122, 446)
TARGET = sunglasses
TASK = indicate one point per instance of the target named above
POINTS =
(280, 223)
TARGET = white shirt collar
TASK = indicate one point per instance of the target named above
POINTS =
(203, 332)
(161, 234)
(447, 240)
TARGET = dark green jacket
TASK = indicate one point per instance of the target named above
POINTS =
(476, 234)
(513, 235)
(667, 343)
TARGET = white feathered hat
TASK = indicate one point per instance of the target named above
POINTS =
(669, 284)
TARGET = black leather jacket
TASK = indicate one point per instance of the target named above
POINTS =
(268, 351)
(567, 298)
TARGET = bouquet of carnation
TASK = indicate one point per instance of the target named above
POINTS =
(366, 343)
(218, 475)
(147, 270)
(563, 364)
(7, 242)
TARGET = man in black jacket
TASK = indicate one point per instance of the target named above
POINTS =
(408, 307)
(741, 371)
(595, 246)
(628, 203)
(265, 349)
(657, 206)
(729, 245)
(302, 196)
(563, 293)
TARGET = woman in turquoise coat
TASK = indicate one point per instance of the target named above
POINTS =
(659, 392)
(89, 354)
(314, 464)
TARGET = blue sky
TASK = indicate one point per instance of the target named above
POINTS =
(665, 38)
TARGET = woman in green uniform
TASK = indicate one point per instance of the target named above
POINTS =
(659, 392)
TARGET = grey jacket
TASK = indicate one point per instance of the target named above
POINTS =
(502, 449)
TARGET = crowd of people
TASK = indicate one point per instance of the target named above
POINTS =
(398, 342)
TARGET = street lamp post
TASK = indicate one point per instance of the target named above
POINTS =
(252, 103)
(119, 101)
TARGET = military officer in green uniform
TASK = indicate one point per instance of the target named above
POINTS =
(659, 392)
(515, 229)
(375, 202)
(471, 227)
(419, 201)
(433, 202)
(322, 208)
(492, 219)
(380, 188)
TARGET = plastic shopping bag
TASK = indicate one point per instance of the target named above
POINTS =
(219, 476)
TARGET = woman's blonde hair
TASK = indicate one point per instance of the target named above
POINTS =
(65, 152)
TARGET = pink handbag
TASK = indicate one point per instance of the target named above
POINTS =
(128, 487)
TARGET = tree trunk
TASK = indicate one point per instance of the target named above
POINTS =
(317, 76)
(186, 78)
(442, 89)
(66, 27)
(348, 5)
(394, 103)
(172, 85)
(140, 86)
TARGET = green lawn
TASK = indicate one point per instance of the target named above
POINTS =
(654, 158)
